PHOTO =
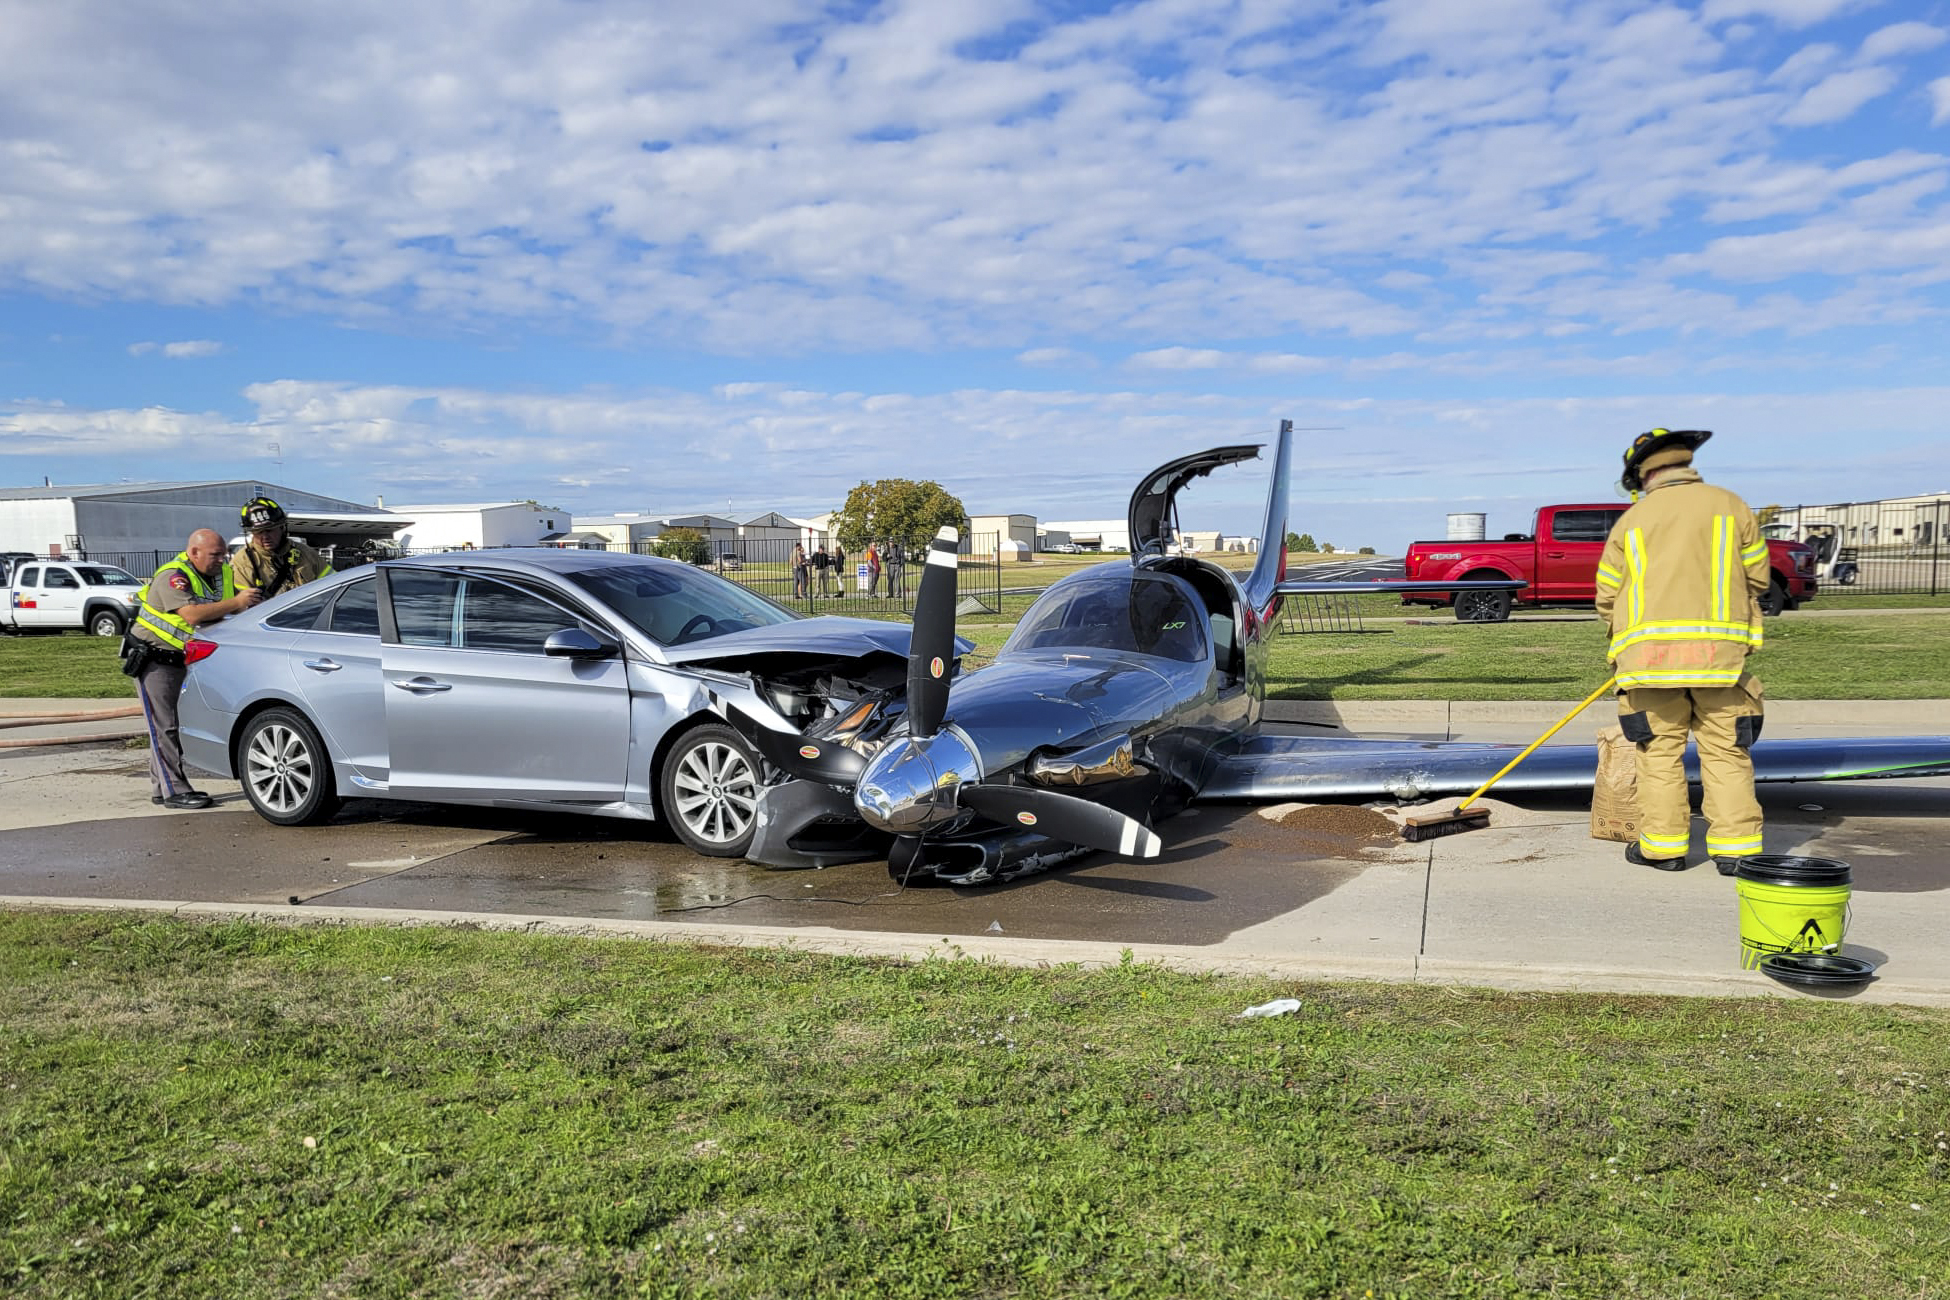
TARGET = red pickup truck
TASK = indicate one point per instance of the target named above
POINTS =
(1558, 558)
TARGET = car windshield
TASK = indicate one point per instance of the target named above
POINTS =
(103, 576)
(1148, 615)
(676, 604)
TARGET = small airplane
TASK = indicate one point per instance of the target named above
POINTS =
(1129, 690)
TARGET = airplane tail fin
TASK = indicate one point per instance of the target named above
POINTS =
(1270, 569)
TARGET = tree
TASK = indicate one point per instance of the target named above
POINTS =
(686, 544)
(896, 509)
(1365, 550)
(1327, 548)
(1304, 542)
(1766, 515)
(1292, 540)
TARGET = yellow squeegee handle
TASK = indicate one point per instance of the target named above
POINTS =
(1478, 792)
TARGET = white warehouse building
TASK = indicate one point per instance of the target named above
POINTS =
(481, 525)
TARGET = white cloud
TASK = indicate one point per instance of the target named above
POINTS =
(1838, 95)
(1940, 101)
(1899, 39)
(1789, 13)
(188, 349)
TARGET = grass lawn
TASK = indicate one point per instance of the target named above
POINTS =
(1892, 656)
(236, 1110)
(1887, 656)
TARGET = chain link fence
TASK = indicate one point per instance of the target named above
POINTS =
(1894, 547)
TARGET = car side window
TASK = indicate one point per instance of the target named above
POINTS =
(29, 578)
(60, 578)
(1583, 525)
(423, 606)
(300, 614)
(357, 609)
(496, 617)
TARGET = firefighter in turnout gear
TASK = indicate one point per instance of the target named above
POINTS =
(272, 562)
(195, 588)
(1679, 583)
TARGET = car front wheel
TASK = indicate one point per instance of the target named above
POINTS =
(286, 772)
(710, 791)
(105, 622)
(1774, 600)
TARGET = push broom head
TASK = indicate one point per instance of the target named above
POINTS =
(1417, 827)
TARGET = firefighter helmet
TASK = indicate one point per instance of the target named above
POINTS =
(1650, 444)
(262, 512)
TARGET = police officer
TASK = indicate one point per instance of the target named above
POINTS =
(1679, 583)
(195, 588)
(273, 562)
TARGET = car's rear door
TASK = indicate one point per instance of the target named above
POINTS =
(336, 662)
(476, 711)
(1567, 559)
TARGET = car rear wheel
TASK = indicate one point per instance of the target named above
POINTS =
(105, 622)
(286, 772)
(710, 791)
(1482, 606)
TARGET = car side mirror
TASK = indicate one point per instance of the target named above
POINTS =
(576, 643)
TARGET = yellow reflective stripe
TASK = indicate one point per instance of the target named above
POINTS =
(1659, 846)
(1635, 567)
(1754, 554)
(1732, 847)
(1680, 677)
(1609, 576)
(1722, 565)
(1738, 633)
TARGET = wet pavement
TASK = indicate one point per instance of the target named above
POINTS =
(1320, 891)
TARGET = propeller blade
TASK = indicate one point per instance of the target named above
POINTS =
(810, 760)
(1064, 817)
(932, 649)
(791, 752)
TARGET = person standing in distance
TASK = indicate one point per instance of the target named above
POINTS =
(195, 588)
(272, 561)
(1679, 584)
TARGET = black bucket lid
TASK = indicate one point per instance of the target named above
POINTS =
(1817, 970)
(1787, 869)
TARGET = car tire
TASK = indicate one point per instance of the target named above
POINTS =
(1774, 600)
(285, 769)
(709, 791)
(106, 622)
(1482, 606)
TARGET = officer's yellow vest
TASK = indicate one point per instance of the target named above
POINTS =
(168, 628)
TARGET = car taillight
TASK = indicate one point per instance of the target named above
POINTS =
(1410, 565)
(196, 649)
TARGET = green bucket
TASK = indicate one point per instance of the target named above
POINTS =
(1790, 904)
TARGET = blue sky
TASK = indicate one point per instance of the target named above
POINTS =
(742, 256)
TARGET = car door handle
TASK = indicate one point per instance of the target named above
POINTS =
(424, 686)
(322, 665)
(1554, 555)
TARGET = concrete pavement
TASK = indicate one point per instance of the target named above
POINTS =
(1306, 892)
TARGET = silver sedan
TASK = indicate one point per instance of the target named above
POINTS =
(565, 680)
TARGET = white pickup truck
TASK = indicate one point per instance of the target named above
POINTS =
(60, 595)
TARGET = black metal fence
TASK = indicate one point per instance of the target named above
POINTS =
(1890, 547)
(764, 565)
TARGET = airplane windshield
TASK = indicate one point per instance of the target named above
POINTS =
(1149, 615)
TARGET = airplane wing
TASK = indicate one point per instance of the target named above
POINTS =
(1279, 768)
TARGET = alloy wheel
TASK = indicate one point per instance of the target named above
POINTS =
(279, 768)
(717, 792)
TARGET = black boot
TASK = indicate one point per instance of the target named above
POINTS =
(1638, 859)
